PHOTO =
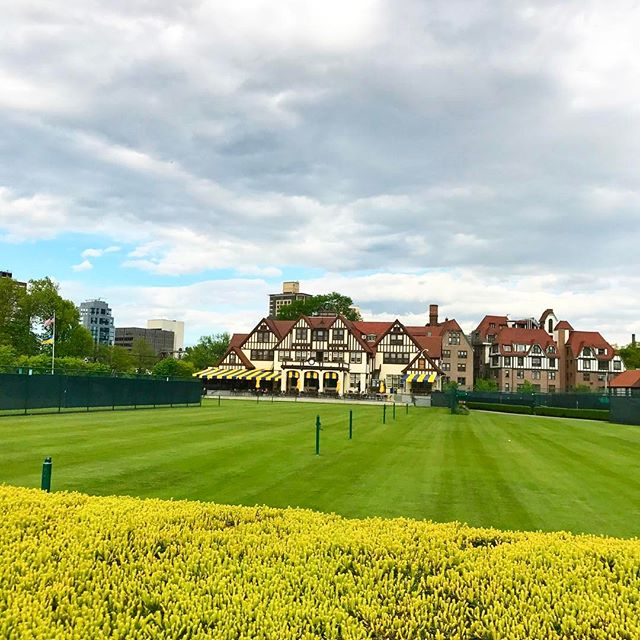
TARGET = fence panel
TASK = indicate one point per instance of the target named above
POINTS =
(625, 410)
(22, 392)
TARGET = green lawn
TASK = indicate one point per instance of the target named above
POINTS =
(505, 471)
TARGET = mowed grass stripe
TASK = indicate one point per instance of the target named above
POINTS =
(511, 472)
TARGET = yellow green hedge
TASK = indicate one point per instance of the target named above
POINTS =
(73, 566)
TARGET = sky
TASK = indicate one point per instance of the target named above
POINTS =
(181, 159)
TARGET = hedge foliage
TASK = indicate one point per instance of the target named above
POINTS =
(74, 566)
(559, 412)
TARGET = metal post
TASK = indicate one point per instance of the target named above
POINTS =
(45, 483)
(218, 399)
(317, 435)
(394, 410)
(350, 424)
(384, 414)
(407, 412)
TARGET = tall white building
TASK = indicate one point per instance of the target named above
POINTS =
(95, 316)
(177, 326)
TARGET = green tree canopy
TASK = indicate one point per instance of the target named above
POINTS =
(207, 351)
(143, 355)
(485, 384)
(329, 303)
(172, 368)
(630, 355)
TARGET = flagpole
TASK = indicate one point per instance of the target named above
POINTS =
(53, 344)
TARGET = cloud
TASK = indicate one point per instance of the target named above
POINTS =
(85, 265)
(494, 141)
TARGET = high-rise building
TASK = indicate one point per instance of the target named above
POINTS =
(177, 326)
(95, 316)
(290, 293)
(159, 340)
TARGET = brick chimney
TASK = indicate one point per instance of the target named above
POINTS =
(433, 314)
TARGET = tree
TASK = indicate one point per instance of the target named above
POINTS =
(582, 388)
(144, 357)
(118, 358)
(450, 386)
(172, 368)
(485, 384)
(15, 325)
(630, 355)
(330, 303)
(7, 356)
(208, 350)
(79, 343)
(526, 387)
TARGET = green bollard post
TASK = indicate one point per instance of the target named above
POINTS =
(317, 435)
(218, 399)
(394, 410)
(384, 414)
(407, 412)
(45, 483)
(350, 424)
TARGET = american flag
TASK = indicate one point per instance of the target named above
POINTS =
(49, 322)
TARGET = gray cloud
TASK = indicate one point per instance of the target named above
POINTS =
(375, 135)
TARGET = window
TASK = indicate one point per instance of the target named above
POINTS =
(552, 375)
(355, 357)
(551, 349)
(396, 336)
(536, 375)
(507, 347)
(446, 366)
(552, 362)
(261, 354)
(338, 335)
(462, 354)
(395, 358)
(495, 361)
(262, 336)
(552, 388)
(462, 381)
(301, 335)
(491, 337)
(462, 366)
(446, 353)
(506, 386)
(492, 325)
(586, 364)
(550, 325)
(507, 361)
(506, 374)
(302, 355)
(232, 358)
(354, 381)
(602, 351)
(536, 349)
(616, 365)
(520, 347)
(601, 377)
(586, 352)
(603, 365)
(284, 356)
(319, 334)
(521, 362)
(519, 374)
(536, 362)
(454, 337)
(586, 377)
(494, 348)
(337, 356)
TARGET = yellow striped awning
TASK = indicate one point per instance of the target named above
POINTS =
(200, 374)
(225, 374)
(248, 374)
(421, 377)
(209, 373)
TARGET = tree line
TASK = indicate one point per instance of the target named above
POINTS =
(24, 313)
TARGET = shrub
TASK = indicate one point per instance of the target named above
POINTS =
(565, 412)
(74, 566)
(494, 406)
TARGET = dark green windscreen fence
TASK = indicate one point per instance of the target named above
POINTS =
(561, 400)
(56, 393)
(625, 409)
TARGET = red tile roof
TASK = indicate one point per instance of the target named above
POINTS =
(237, 339)
(627, 380)
(563, 325)
(431, 344)
(483, 329)
(515, 335)
(580, 339)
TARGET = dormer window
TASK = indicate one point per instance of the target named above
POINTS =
(536, 349)
(551, 349)
(586, 352)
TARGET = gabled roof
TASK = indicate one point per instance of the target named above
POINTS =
(237, 339)
(545, 314)
(563, 325)
(580, 339)
(432, 345)
(483, 328)
(516, 335)
(375, 328)
(627, 380)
